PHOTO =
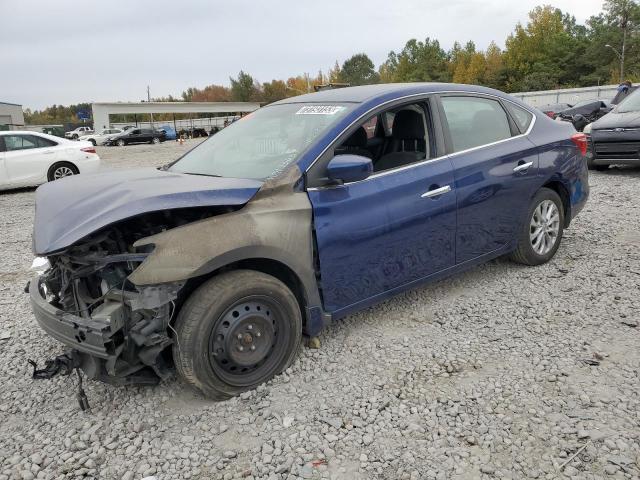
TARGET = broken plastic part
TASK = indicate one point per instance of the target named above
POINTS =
(62, 364)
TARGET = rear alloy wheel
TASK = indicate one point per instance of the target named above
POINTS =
(236, 331)
(61, 170)
(121, 143)
(542, 232)
(155, 140)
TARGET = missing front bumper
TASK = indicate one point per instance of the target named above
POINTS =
(108, 347)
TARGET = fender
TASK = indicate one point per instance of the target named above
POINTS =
(276, 224)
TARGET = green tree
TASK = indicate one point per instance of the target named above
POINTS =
(243, 88)
(359, 70)
(418, 62)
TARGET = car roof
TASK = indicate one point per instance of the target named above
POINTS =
(364, 93)
(38, 134)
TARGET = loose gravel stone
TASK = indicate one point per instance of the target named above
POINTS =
(478, 376)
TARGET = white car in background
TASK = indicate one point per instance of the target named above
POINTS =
(100, 137)
(78, 132)
(31, 158)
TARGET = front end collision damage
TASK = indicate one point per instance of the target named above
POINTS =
(112, 296)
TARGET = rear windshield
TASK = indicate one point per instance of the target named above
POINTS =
(261, 145)
(631, 103)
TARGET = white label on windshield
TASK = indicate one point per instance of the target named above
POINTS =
(319, 110)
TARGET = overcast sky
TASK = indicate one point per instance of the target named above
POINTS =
(66, 51)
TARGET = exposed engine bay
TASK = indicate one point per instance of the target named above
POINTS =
(120, 329)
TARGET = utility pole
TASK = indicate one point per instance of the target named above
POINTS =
(149, 100)
(620, 57)
(624, 44)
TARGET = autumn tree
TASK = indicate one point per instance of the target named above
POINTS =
(537, 55)
(274, 90)
(334, 73)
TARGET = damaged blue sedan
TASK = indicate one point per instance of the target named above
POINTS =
(305, 211)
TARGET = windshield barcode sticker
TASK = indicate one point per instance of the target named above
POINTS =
(319, 110)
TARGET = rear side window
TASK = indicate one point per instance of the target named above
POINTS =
(475, 121)
(44, 142)
(521, 116)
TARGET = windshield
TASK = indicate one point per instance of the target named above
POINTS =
(261, 145)
(631, 103)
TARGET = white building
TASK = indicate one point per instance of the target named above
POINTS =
(11, 116)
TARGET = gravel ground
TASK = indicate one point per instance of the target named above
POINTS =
(477, 377)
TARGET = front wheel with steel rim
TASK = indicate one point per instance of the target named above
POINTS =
(236, 331)
(61, 170)
(542, 231)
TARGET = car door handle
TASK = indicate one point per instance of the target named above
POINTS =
(523, 167)
(48, 152)
(436, 192)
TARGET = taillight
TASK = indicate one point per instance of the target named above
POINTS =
(580, 139)
(550, 115)
(88, 149)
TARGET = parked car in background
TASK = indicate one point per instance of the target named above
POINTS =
(293, 218)
(55, 131)
(136, 135)
(585, 112)
(169, 132)
(78, 132)
(552, 110)
(615, 138)
(102, 136)
(31, 158)
(193, 132)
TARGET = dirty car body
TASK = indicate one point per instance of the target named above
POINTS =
(341, 218)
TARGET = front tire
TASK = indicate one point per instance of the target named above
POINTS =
(235, 332)
(121, 143)
(155, 140)
(541, 234)
(93, 142)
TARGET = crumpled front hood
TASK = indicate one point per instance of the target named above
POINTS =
(617, 120)
(71, 208)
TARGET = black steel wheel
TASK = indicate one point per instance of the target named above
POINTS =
(236, 331)
(244, 341)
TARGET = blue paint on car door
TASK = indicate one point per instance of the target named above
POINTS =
(495, 168)
(492, 197)
(381, 233)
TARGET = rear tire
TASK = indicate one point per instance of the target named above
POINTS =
(235, 332)
(541, 233)
(60, 170)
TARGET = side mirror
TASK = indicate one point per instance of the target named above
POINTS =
(349, 168)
